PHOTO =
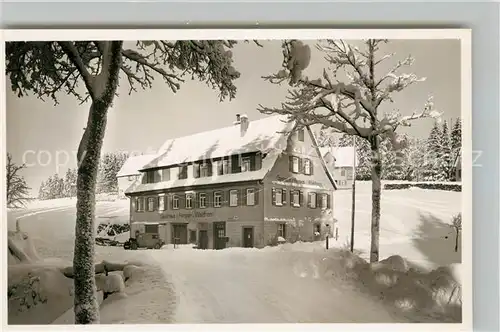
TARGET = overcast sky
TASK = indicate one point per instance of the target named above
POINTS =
(39, 131)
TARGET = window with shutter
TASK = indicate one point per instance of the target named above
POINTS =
(284, 196)
(256, 195)
(196, 170)
(151, 204)
(328, 201)
(245, 164)
(301, 198)
(273, 196)
(290, 163)
(161, 203)
(204, 170)
(296, 198)
(312, 200)
(324, 201)
(233, 197)
(282, 230)
(295, 164)
(250, 196)
(279, 197)
(307, 166)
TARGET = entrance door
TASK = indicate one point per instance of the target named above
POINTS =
(248, 237)
(203, 239)
(219, 235)
(180, 234)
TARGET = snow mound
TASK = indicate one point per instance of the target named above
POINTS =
(21, 248)
(433, 294)
(112, 283)
(37, 294)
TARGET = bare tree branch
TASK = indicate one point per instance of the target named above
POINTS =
(73, 55)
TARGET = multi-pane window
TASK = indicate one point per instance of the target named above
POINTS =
(223, 167)
(203, 200)
(151, 204)
(282, 230)
(307, 166)
(204, 170)
(324, 201)
(279, 197)
(150, 177)
(233, 198)
(217, 199)
(296, 198)
(250, 196)
(312, 200)
(140, 202)
(175, 202)
(161, 203)
(245, 164)
(189, 201)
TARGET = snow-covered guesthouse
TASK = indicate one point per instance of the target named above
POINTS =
(130, 172)
(341, 161)
(246, 185)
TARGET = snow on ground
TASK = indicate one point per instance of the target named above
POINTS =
(282, 284)
(414, 223)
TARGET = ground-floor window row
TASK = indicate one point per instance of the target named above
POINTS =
(247, 235)
(218, 198)
(296, 198)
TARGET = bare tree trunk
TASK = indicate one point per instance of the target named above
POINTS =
(456, 239)
(86, 304)
(376, 171)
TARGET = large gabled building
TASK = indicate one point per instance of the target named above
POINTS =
(246, 185)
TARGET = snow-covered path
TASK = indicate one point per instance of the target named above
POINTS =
(251, 286)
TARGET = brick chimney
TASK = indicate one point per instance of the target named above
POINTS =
(238, 120)
(244, 124)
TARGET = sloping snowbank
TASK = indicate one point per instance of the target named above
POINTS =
(421, 295)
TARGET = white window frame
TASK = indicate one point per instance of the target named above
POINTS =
(175, 202)
(324, 201)
(151, 204)
(203, 170)
(280, 202)
(245, 161)
(233, 198)
(307, 166)
(217, 199)
(189, 198)
(311, 200)
(204, 196)
(161, 202)
(226, 166)
(295, 164)
(250, 196)
(296, 198)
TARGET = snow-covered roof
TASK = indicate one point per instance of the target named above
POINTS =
(261, 135)
(267, 164)
(344, 156)
(134, 164)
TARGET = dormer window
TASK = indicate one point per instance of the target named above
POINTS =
(245, 164)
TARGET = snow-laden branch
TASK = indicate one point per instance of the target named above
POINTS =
(74, 56)
(392, 121)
